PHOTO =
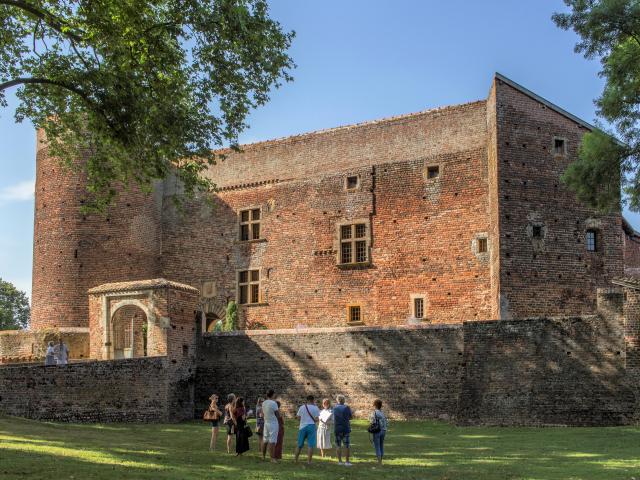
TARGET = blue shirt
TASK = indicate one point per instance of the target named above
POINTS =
(341, 418)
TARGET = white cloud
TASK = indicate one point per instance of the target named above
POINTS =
(19, 192)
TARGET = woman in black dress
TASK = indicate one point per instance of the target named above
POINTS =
(240, 423)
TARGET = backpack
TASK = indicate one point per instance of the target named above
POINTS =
(374, 426)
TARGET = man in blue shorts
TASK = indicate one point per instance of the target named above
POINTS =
(342, 422)
(308, 415)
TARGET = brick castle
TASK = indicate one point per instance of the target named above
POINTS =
(446, 215)
(435, 259)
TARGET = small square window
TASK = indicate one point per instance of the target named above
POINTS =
(354, 314)
(536, 231)
(351, 182)
(592, 240)
(418, 307)
(433, 171)
(482, 245)
(558, 146)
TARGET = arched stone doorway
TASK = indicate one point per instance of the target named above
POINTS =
(129, 332)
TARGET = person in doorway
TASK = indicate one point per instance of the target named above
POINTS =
(215, 415)
(342, 427)
(239, 419)
(50, 355)
(228, 422)
(308, 415)
(324, 427)
(277, 451)
(271, 426)
(378, 428)
(62, 353)
(259, 422)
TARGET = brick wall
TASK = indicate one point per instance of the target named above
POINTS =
(73, 252)
(631, 250)
(415, 370)
(541, 371)
(554, 274)
(422, 235)
(137, 390)
(18, 346)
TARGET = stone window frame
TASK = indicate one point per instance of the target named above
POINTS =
(475, 245)
(349, 312)
(429, 166)
(250, 222)
(249, 283)
(412, 306)
(358, 183)
(338, 243)
(564, 146)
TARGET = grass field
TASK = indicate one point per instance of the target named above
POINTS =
(415, 450)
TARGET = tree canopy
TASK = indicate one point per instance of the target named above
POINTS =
(14, 307)
(140, 89)
(609, 30)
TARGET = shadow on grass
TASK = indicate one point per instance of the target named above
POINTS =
(30, 449)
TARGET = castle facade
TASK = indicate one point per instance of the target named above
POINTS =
(442, 216)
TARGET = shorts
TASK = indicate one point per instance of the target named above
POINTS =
(230, 428)
(307, 432)
(270, 433)
(342, 437)
(215, 423)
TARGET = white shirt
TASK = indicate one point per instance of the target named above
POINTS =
(326, 417)
(269, 409)
(305, 418)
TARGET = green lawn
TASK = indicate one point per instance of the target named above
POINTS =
(415, 450)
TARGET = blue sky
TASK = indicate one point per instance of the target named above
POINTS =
(360, 60)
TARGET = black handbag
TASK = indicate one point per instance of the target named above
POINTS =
(374, 426)
(247, 431)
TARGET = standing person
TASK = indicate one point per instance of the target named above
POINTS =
(214, 414)
(342, 423)
(62, 351)
(239, 419)
(228, 422)
(324, 427)
(50, 356)
(308, 415)
(378, 428)
(271, 426)
(259, 422)
(277, 451)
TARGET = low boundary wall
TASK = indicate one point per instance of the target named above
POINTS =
(541, 371)
(137, 390)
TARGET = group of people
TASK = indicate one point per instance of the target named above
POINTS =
(57, 354)
(315, 428)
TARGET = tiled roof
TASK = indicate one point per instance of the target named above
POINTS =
(153, 284)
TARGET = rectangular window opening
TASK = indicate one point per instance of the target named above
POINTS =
(250, 224)
(433, 171)
(353, 244)
(536, 232)
(355, 314)
(482, 245)
(351, 182)
(249, 287)
(418, 307)
(558, 146)
(592, 240)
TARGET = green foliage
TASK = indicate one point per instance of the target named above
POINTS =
(415, 450)
(140, 89)
(14, 307)
(218, 327)
(231, 317)
(609, 30)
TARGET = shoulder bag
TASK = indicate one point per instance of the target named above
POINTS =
(374, 426)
